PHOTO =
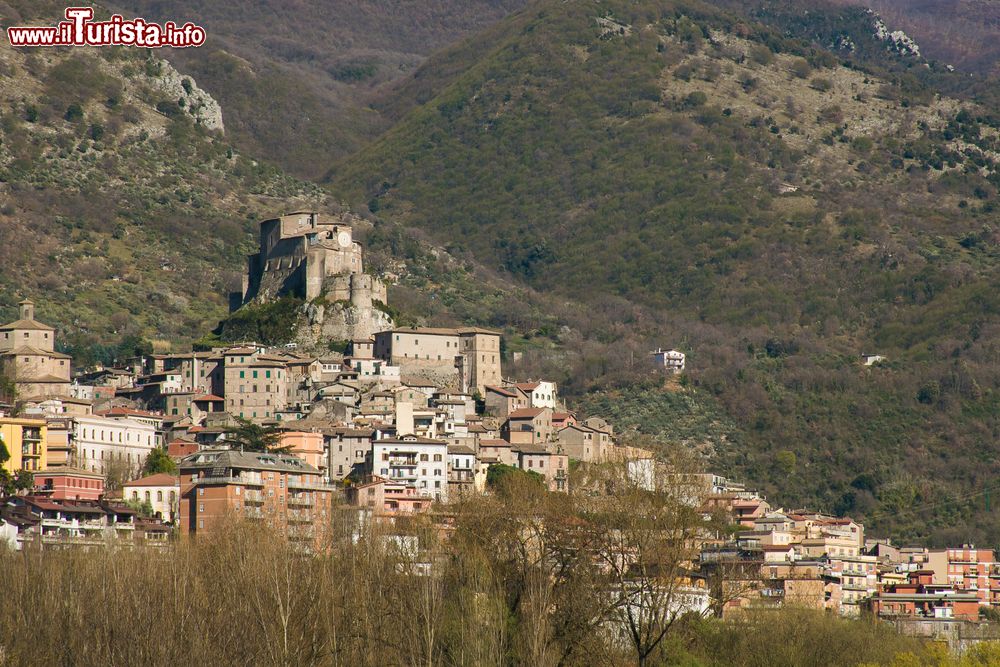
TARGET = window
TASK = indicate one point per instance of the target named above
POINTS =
(267, 374)
(423, 457)
(255, 377)
(159, 496)
(201, 507)
(437, 457)
(242, 375)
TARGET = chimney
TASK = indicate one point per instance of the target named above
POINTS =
(27, 309)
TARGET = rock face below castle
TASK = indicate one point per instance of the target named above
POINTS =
(314, 257)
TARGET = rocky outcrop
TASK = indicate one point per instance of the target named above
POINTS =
(180, 87)
(340, 320)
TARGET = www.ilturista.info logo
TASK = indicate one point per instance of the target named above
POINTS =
(79, 30)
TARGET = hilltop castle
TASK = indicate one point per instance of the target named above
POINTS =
(307, 255)
(312, 255)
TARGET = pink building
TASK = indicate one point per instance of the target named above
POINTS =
(387, 498)
(69, 484)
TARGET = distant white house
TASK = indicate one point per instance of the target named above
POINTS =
(869, 359)
(669, 360)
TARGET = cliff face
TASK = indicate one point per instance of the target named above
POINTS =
(340, 320)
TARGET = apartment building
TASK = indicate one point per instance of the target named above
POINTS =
(347, 449)
(63, 483)
(100, 441)
(27, 443)
(967, 569)
(281, 489)
(420, 463)
(253, 384)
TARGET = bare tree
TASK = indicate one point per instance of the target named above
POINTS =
(650, 527)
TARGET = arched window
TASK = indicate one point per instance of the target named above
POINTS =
(159, 496)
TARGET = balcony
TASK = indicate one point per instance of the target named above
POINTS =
(310, 486)
(224, 479)
(402, 462)
(299, 500)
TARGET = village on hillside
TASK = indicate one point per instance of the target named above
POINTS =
(402, 423)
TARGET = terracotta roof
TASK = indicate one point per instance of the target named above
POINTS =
(128, 412)
(159, 479)
(47, 378)
(67, 470)
(526, 413)
(501, 391)
(38, 352)
(526, 386)
(26, 324)
(410, 441)
(531, 449)
(208, 397)
(493, 442)
(460, 449)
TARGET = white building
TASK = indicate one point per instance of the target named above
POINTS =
(420, 463)
(669, 360)
(539, 394)
(161, 491)
(97, 441)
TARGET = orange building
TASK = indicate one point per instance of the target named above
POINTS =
(920, 597)
(307, 446)
(280, 489)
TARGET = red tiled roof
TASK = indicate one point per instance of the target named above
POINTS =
(208, 397)
(525, 413)
(159, 479)
(125, 412)
(501, 391)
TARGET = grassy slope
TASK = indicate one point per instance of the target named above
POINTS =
(125, 219)
(581, 163)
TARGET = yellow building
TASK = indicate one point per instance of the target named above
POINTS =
(26, 443)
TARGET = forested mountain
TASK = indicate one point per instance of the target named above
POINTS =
(296, 77)
(779, 195)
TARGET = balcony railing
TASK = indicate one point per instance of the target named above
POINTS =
(209, 480)
(310, 486)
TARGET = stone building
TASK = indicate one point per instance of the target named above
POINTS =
(307, 254)
(314, 257)
(466, 358)
(253, 384)
(28, 356)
